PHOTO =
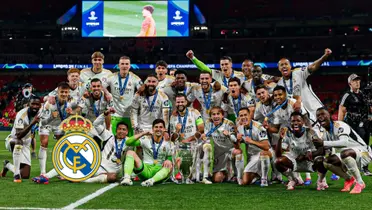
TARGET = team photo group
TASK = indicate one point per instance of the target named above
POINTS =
(243, 127)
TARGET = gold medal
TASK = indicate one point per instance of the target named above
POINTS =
(118, 161)
(266, 119)
(208, 111)
(121, 97)
(55, 114)
(156, 162)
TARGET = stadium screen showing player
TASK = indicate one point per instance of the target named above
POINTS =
(135, 18)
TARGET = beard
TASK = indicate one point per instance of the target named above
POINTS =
(181, 108)
(149, 89)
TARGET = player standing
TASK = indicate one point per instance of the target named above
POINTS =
(96, 71)
(296, 85)
(223, 75)
(161, 70)
(51, 117)
(207, 93)
(251, 84)
(150, 105)
(148, 27)
(123, 85)
(186, 126)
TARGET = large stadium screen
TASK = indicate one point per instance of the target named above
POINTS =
(135, 18)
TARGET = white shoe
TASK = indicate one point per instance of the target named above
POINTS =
(240, 181)
(188, 181)
(264, 183)
(206, 181)
(126, 181)
(291, 185)
(148, 183)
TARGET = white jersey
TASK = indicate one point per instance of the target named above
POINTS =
(257, 133)
(86, 75)
(343, 135)
(76, 93)
(163, 148)
(20, 123)
(53, 114)
(299, 145)
(93, 108)
(261, 111)
(172, 92)
(214, 96)
(123, 103)
(193, 119)
(282, 116)
(297, 86)
(222, 144)
(145, 110)
(168, 80)
(234, 105)
(220, 77)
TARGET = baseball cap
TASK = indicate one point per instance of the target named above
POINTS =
(353, 77)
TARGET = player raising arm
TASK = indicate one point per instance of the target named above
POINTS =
(223, 75)
(156, 164)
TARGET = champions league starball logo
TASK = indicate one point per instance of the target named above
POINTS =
(76, 156)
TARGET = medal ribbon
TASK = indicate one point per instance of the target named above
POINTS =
(123, 87)
(156, 152)
(184, 120)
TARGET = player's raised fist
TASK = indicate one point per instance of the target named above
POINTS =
(69, 110)
(190, 54)
(239, 136)
(226, 133)
(327, 51)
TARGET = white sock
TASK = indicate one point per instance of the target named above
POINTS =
(52, 173)
(289, 174)
(17, 158)
(308, 175)
(265, 164)
(197, 168)
(239, 164)
(102, 178)
(352, 168)
(42, 159)
(10, 167)
(206, 151)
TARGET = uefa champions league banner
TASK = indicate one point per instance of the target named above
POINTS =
(178, 66)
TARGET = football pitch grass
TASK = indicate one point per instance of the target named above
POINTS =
(59, 194)
(124, 18)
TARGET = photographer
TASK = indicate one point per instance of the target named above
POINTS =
(353, 110)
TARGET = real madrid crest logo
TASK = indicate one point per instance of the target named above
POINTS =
(76, 156)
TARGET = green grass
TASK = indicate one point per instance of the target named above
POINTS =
(124, 18)
(170, 196)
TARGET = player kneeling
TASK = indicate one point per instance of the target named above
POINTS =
(299, 141)
(19, 141)
(157, 155)
(255, 136)
(354, 155)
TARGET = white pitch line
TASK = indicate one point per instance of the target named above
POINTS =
(91, 196)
